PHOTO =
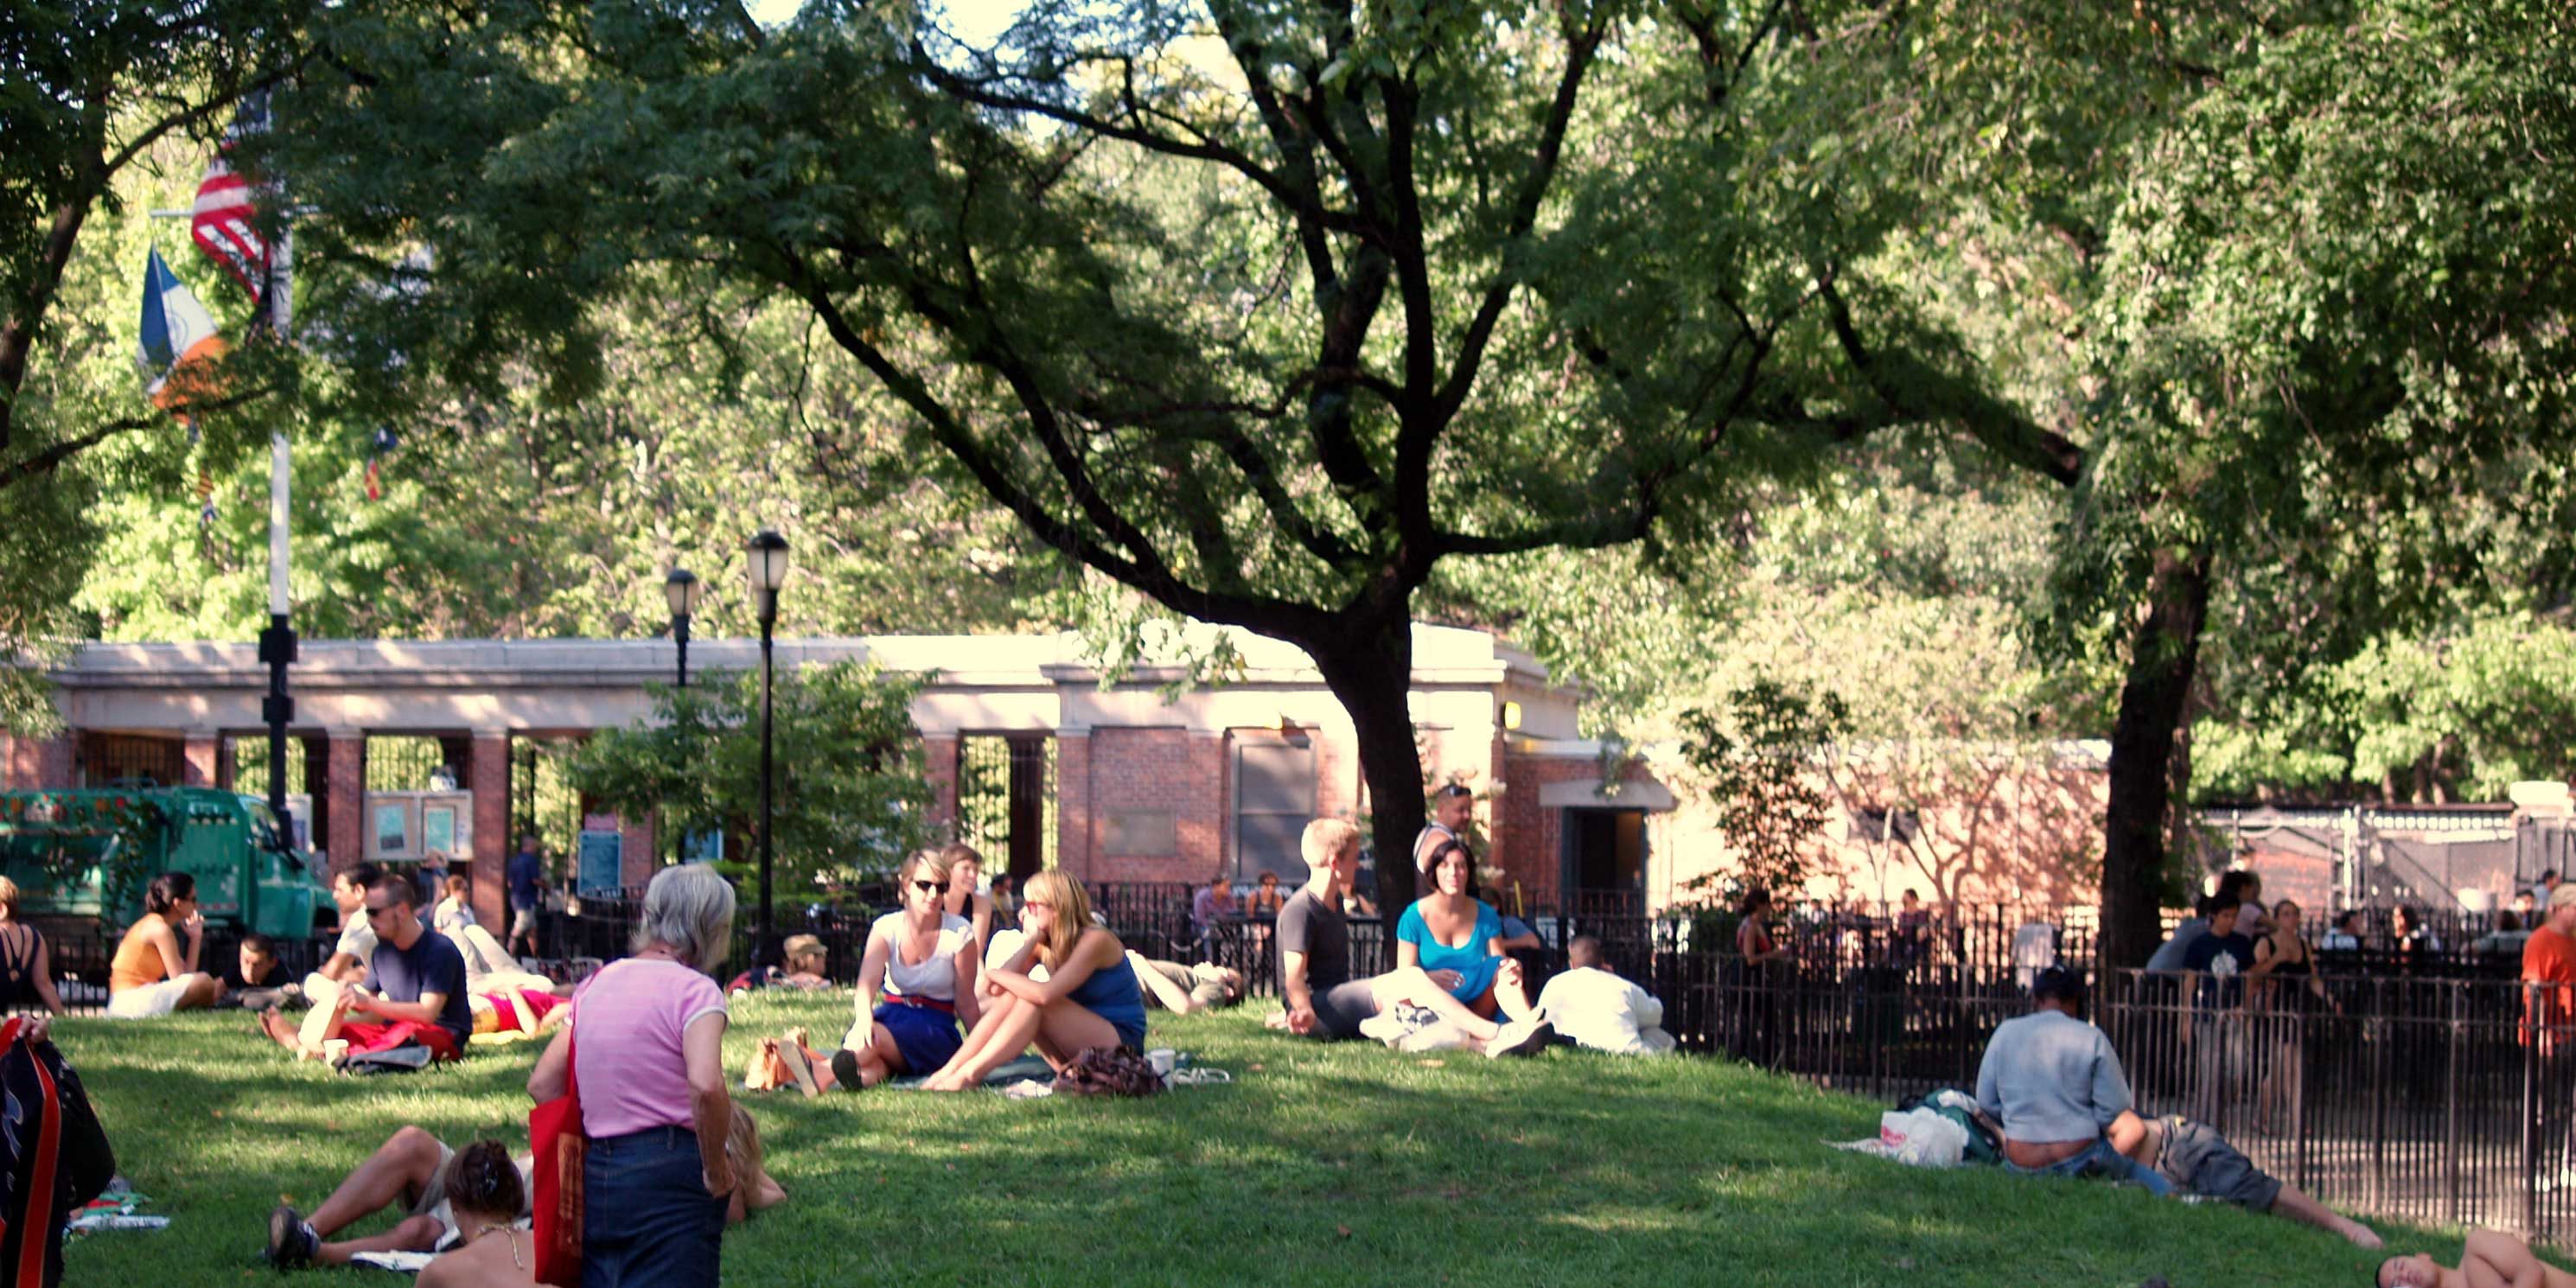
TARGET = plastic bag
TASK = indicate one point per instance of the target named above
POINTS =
(1922, 1138)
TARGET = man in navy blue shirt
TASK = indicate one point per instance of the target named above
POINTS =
(417, 978)
(522, 876)
(2220, 1044)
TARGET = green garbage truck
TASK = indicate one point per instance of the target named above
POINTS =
(89, 854)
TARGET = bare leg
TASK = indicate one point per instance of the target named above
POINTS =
(412, 1234)
(999, 1013)
(201, 993)
(1412, 984)
(1003, 1036)
(1511, 991)
(2295, 1204)
(398, 1171)
(1067, 1028)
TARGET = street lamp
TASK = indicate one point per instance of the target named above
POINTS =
(767, 557)
(682, 589)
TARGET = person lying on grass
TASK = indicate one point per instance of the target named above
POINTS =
(1185, 989)
(923, 959)
(2197, 1160)
(2053, 1084)
(418, 994)
(1089, 998)
(1318, 996)
(2489, 1259)
(410, 1172)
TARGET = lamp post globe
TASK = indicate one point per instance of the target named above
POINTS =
(766, 563)
(681, 590)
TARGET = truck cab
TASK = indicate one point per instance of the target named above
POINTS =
(89, 853)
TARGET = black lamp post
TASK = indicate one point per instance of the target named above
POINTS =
(682, 589)
(767, 553)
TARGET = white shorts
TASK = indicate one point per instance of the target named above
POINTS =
(149, 1001)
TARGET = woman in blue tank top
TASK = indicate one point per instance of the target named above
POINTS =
(1090, 997)
(1457, 938)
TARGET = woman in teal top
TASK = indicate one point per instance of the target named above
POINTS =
(1458, 939)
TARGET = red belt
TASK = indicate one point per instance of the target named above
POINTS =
(926, 1003)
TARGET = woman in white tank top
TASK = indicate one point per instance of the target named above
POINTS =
(924, 960)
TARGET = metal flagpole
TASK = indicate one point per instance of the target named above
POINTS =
(277, 643)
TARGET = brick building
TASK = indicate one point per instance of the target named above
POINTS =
(403, 745)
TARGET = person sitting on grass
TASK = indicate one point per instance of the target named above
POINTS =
(967, 896)
(418, 992)
(924, 961)
(486, 1195)
(1457, 939)
(1317, 994)
(2197, 1160)
(2488, 1259)
(409, 1173)
(806, 962)
(256, 981)
(1090, 997)
(1592, 1007)
(454, 911)
(26, 968)
(1183, 990)
(347, 963)
(155, 970)
(2053, 1085)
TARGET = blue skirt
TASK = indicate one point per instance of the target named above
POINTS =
(925, 1037)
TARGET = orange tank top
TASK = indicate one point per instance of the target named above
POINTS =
(137, 963)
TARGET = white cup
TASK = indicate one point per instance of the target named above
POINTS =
(1161, 1060)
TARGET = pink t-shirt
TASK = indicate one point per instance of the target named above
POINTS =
(626, 1052)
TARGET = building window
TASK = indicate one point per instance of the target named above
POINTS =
(1274, 799)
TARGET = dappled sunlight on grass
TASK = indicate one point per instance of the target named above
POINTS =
(1340, 1165)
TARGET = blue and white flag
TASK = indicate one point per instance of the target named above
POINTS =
(179, 338)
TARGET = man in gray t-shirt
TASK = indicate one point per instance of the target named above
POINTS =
(1320, 999)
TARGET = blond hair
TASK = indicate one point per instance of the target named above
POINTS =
(799, 947)
(8, 899)
(1072, 914)
(937, 863)
(1325, 839)
(742, 1144)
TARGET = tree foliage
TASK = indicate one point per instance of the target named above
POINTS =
(850, 793)
(1756, 759)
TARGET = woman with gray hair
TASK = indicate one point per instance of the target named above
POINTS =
(645, 1045)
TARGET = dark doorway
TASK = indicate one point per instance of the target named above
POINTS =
(1006, 801)
(1603, 852)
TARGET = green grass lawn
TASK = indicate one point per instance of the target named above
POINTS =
(1346, 1164)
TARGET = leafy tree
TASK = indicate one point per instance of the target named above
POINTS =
(1263, 312)
(1757, 761)
(850, 792)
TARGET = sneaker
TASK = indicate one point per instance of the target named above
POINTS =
(1439, 1036)
(291, 1243)
(1386, 1026)
(1524, 1037)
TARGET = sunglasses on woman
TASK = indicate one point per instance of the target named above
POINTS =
(930, 887)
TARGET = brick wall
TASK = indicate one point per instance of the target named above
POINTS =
(1164, 771)
(939, 763)
(1526, 835)
(487, 775)
(201, 752)
(346, 843)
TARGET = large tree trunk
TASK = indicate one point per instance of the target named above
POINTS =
(1372, 674)
(2163, 655)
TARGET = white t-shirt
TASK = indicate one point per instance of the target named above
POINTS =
(357, 940)
(1605, 1012)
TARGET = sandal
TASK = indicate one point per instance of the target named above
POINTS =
(1198, 1076)
(792, 1055)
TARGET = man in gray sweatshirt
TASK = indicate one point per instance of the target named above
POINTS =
(2054, 1084)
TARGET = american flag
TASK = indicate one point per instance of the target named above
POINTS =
(224, 224)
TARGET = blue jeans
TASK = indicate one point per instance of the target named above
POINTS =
(646, 1217)
(2096, 1159)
